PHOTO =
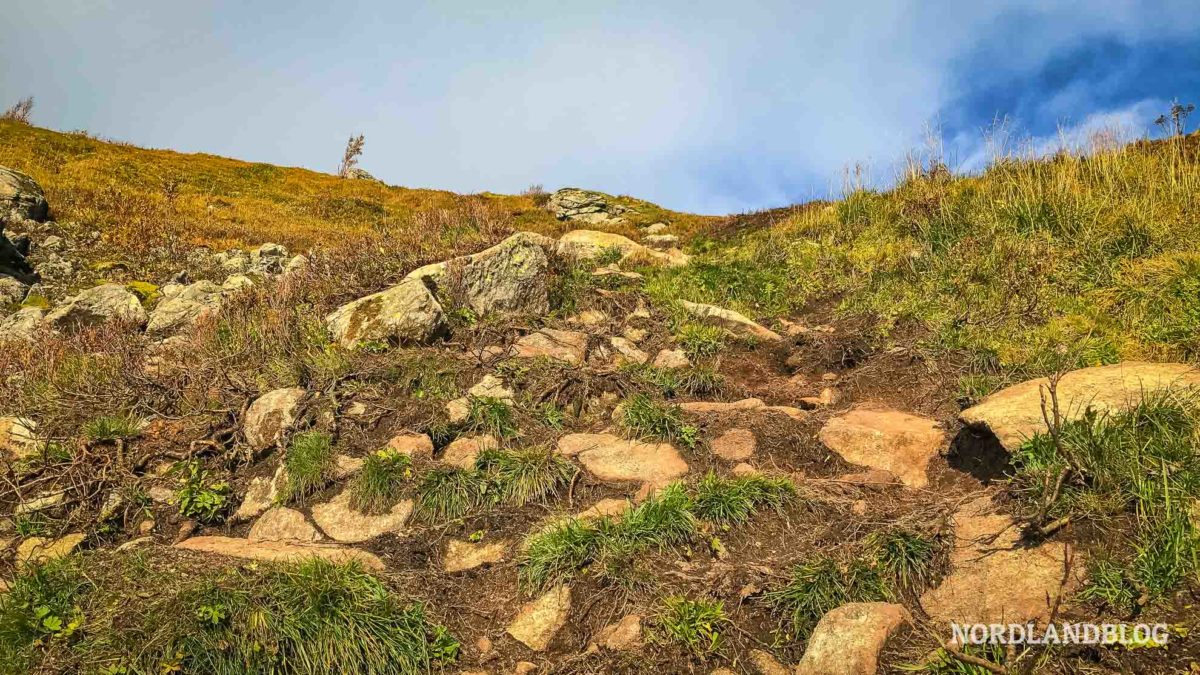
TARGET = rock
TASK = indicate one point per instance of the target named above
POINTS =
(489, 387)
(99, 305)
(766, 664)
(463, 451)
(413, 445)
(268, 259)
(886, 439)
(146, 526)
(462, 556)
(21, 198)
(296, 265)
(634, 335)
(588, 317)
(624, 635)
(994, 578)
(612, 458)
(848, 639)
(345, 466)
(283, 524)
(18, 437)
(22, 324)
(661, 242)
(279, 551)
(829, 396)
(53, 243)
(672, 359)
(604, 507)
(135, 543)
(735, 445)
(538, 621)
(508, 278)
(185, 307)
(585, 206)
(1015, 413)
(41, 503)
(614, 271)
(627, 352)
(39, 550)
(12, 291)
(342, 523)
(655, 228)
(729, 320)
(260, 495)
(524, 668)
(561, 345)
(735, 407)
(236, 282)
(406, 312)
(271, 417)
(590, 244)
(356, 173)
(743, 469)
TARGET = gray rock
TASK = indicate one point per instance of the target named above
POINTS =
(21, 198)
(406, 312)
(268, 259)
(508, 278)
(53, 243)
(99, 305)
(12, 291)
(185, 306)
(271, 417)
(585, 206)
(21, 325)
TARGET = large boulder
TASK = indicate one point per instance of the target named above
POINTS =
(96, 306)
(508, 278)
(848, 639)
(1014, 414)
(590, 244)
(185, 307)
(406, 312)
(586, 206)
(271, 417)
(886, 439)
(21, 198)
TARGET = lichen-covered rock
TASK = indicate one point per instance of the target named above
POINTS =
(540, 620)
(729, 320)
(186, 306)
(585, 206)
(12, 290)
(21, 198)
(22, 324)
(268, 259)
(99, 305)
(271, 417)
(508, 278)
(590, 244)
(406, 312)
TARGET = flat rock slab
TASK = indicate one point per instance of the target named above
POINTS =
(342, 523)
(992, 578)
(886, 439)
(735, 445)
(39, 550)
(279, 551)
(624, 635)
(605, 507)
(729, 320)
(612, 458)
(413, 445)
(561, 345)
(283, 524)
(848, 639)
(1014, 414)
(463, 451)
(259, 497)
(744, 405)
(540, 620)
(462, 555)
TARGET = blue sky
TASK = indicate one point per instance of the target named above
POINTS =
(712, 107)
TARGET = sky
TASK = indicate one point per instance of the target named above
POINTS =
(702, 106)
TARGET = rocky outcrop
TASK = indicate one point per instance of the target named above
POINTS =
(271, 417)
(586, 206)
(1014, 414)
(508, 278)
(21, 198)
(848, 640)
(729, 320)
(890, 440)
(96, 306)
(590, 244)
(404, 313)
(540, 620)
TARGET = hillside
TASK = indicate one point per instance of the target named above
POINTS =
(265, 420)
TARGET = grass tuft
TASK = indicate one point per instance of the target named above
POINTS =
(697, 624)
(646, 418)
(379, 484)
(108, 428)
(734, 500)
(311, 462)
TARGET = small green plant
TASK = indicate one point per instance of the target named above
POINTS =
(310, 462)
(448, 494)
(644, 417)
(697, 624)
(903, 558)
(379, 484)
(42, 606)
(700, 341)
(519, 477)
(198, 497)
(609, 256)
(670, 382)
(490, 416)
(108, 428)
(733, 500)
(820, 584)
(552, 415)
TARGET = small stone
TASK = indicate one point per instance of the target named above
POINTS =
(540, 620)
(346, 466)
(604, 507)
(18, 437)
(413, 445)
(624, 635)
(462, 556)
(524, 668)
(588, 317)
(627, 352)
(655, 228)
(146, 526)
(729, 320)
(283, 524)
(672, 359)
(463, 451)
(42, 503)
(735, 445)
(343, 523)
(561, 345)
(483, 645)
(135, 543)
(744, 469)
(634, 335)
(767, 664)
(160, 495)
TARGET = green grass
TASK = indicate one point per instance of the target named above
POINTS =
(380, 483)
(311, 461)
(700, 341)
(696, 624)
(448, 494)
(40, 610)
(734, 500)
(820, 584)
(645, 418)
(108, 428)
(487, 415)
(1140, 465)
(903, 557)
(499, 478)
(671, 382)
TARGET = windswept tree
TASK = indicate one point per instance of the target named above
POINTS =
(19, 112)
(354, 148)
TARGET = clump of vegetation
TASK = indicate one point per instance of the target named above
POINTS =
(700, 341)
(41, 610)
(670, 382)
(904, 558)
(200, 497)
(486, 415)
(19, 112)
(498, 478)
(697, 624)
(646, 418)
(311, 462)
(448, 494)
(1139, 465)
(734, 500)
(108, 428)
(379, 484)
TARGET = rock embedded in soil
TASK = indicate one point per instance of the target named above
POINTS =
(41, 503)
(882, 438)
(463, 451)
(271, 417)
(185, 307)
(283, 524)
(509, 278)
(736, 407)
(655, 228)
(21, 198)
(672, 359)
(96, 306)
(729, 320)
(611, 458)
(40, 550)
(22, 325)
(849, 639)
(489, 387)
(766, 664)
(259, 497)
(590, 244)
(1014, 414)
(462, 555)
(18, 437)
(624, 635)
(540, 620)
(561, 345)
(405, 313)
(993, 577)
(279, 551)
(605, 507)
(341, 522)
(661, 242)
(735, 445)
(627, 352)
(413, 445)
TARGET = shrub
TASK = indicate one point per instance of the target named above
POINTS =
(820, 584)
(19, 111)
